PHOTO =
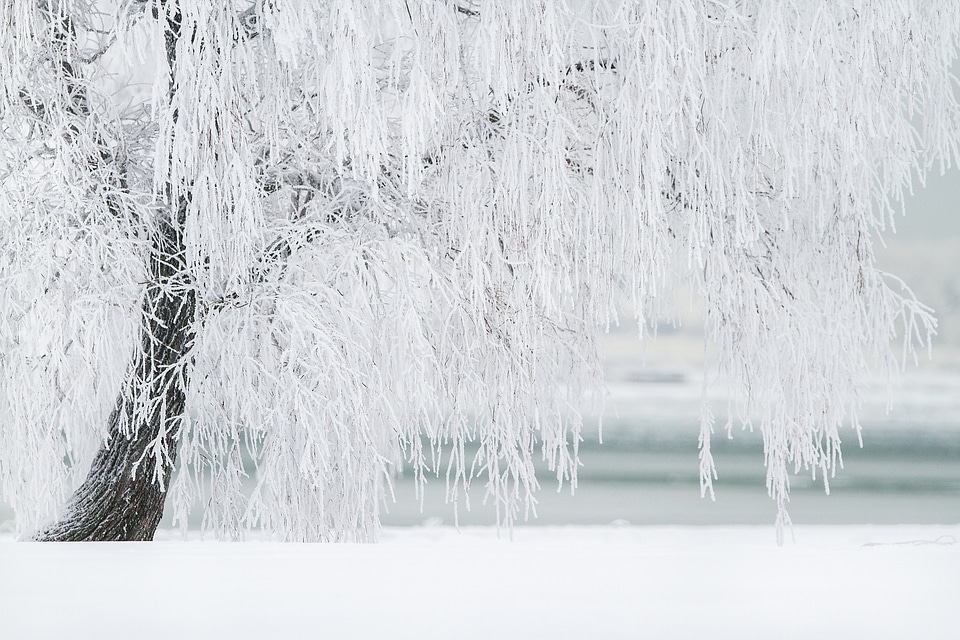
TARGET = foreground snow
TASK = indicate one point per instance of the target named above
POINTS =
(602, 582)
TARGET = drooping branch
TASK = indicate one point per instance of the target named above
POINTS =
(248, 20)
(102, 160)
(274, 256)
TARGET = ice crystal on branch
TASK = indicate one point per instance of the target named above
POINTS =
(395, 228)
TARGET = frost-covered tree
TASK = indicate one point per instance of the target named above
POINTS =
(336, 236)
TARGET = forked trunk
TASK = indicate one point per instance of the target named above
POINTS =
(123, 495)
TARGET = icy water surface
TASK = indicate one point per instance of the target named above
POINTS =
(646, 471)
(896, 478)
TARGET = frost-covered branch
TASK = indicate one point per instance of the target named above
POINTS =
(80, 127)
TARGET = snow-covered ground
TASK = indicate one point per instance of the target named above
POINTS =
(567, 582)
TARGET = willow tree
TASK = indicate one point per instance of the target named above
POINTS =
(335, 237)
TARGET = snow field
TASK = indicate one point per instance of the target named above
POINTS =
(564, 582)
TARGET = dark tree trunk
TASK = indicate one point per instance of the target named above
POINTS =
(123, 495)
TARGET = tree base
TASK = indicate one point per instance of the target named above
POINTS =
(114, 503)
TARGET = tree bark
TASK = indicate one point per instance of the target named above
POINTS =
(123, 495)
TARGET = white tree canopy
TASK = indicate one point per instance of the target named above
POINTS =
(407, 221)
